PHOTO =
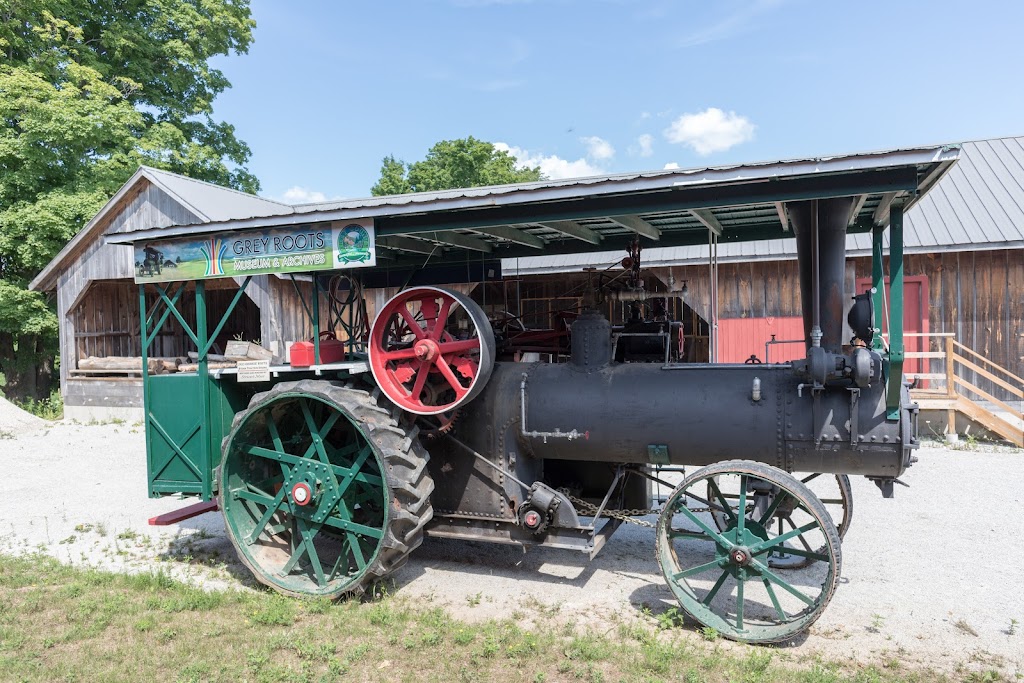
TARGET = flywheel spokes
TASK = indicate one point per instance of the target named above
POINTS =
(431, 350)
(717, 552)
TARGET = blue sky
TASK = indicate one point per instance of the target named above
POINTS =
(606, 86)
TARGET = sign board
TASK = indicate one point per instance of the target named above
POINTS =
(297, 249)
(253, 371)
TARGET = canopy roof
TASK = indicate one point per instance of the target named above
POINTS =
(602, 213)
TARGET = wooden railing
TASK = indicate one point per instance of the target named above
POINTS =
(964, 395)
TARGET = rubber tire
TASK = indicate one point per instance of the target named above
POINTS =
(404, 463)
(759, 470)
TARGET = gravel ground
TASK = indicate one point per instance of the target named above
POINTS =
(931, 578)
(14, 420)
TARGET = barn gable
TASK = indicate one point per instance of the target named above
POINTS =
(90, 267)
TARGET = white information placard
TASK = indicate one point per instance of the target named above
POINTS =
(254, 370)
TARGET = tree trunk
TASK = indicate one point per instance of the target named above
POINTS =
(26, 367)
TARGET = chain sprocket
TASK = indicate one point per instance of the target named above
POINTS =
(435, 426)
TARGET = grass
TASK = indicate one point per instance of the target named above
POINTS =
(62, 623)
(51, 408)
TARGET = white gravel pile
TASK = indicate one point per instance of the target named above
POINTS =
(931, 578)
(14, 420)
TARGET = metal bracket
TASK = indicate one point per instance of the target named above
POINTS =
(854, 417)
(657, 454)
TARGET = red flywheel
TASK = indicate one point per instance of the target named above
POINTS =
(431, 350)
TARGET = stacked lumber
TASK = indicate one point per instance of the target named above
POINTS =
(126, 365)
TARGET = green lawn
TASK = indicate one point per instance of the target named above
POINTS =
(63, 623)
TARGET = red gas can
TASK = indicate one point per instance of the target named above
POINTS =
(331, 351)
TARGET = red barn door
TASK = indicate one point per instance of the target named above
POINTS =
(915, 320)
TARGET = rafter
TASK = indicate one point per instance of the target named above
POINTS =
(507, 232)
(882, 210)
(780, 208)
(399, 243)
(574, 229)
(637, 225)
(457, 239)
(857, 206)
(708, 220)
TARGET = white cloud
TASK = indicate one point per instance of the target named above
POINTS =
(553, 167)
(302, 195)
(671, 166)
(645, 145)
(711, 130)
(740, 21)
(598, 149)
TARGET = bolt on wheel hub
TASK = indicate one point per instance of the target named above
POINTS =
(740, 556)
(302, 494)
(426, 350)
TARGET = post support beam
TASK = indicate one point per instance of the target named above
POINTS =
(203, 345)
(708, 220)
(896, 350)
(878, 286)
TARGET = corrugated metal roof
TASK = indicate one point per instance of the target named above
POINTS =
(449, 210)
(213, 203)
(978, 204)
(566, 216)
(208, 202)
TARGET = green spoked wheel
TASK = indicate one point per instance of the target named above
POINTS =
(833, 491)
(322, 491)
(722, 577)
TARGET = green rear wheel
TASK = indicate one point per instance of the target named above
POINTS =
(322, 491)
(723, 577)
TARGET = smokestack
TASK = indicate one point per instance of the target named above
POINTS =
(833, 217)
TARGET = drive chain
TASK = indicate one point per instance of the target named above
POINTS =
(626, 514)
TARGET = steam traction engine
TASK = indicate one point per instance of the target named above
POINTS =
(327, 486)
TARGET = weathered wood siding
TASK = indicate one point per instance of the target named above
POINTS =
(104, 393)
(283, 317)
(106, 321)
(759, 289)
(977, 295)
(150, 207)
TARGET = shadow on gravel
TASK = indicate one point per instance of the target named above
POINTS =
(207, 545)
(490, 559)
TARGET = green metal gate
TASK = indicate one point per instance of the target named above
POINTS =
(187, 414)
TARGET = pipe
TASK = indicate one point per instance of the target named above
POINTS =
(640, 295)
(556, 434)
(816, 277)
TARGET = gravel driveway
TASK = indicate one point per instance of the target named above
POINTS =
(931, 578)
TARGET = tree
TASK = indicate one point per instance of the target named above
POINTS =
(90, 90)
(451, 164)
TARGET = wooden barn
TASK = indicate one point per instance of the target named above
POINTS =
(98, 300)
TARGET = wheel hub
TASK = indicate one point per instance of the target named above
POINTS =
(426, 350)
(740, 556)
(737, 554)
(302, 494)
